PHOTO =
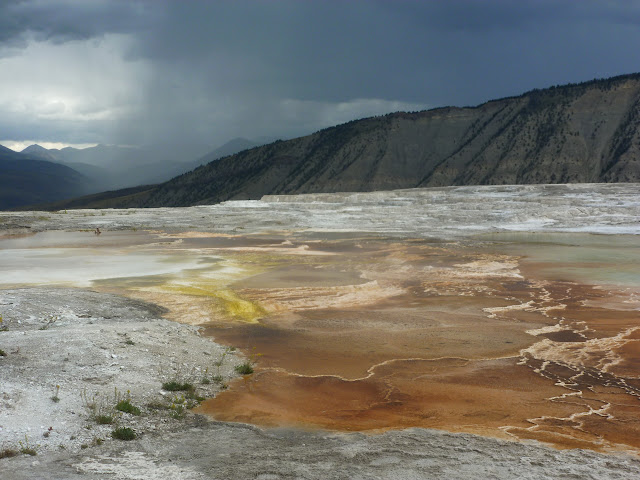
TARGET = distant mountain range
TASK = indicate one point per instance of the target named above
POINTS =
(25, 180)
(90, 170)
(577, 133)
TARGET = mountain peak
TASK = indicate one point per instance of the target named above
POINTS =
(39, 152)
(34, 148)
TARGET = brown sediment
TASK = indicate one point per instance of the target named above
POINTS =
(392, 334)
(450, 351)
(347, 343)
(15, 233)
(452, 394)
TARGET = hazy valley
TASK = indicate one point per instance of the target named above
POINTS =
(37, 175)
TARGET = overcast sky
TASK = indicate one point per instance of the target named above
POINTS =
(195, 74)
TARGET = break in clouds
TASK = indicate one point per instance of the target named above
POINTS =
(192, 75)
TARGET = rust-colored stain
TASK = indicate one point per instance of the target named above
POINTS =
(370, 334)
(468, 341)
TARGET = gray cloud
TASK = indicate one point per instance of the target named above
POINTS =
(66, 20)
(202, 72)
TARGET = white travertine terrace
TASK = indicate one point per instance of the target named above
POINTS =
(448, 212)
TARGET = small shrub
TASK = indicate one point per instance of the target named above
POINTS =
(127, 407)
(124, 433)
(55, 398)
(3, 353)
(174, 386)
(104, 419)
(26, 448)
(205, 381)
(28, 451)
(244, 368)
(191, 395)
(99, 410)
(178, 412)
(130, 342)
(217, 378)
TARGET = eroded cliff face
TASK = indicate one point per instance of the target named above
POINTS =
(564, 135)
(578, 133)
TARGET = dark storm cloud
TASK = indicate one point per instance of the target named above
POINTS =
(61, 21)
(206, 71)
(431, 52)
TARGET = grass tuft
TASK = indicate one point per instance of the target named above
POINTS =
(174, 386)
(244, 368)
(104, 419)
(124, 433)
(26, 448)
(28, 451)
(55, 398)
(127, 407)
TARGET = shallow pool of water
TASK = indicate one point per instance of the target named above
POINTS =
(80, 258)
(579, 257)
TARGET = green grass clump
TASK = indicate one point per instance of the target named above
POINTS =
(244, 368)
(27, 448)
(124, 433)
(104, 419)
(174, 386)
(126, 407)
(3, 353)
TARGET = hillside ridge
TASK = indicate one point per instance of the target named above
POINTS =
(586, 132)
